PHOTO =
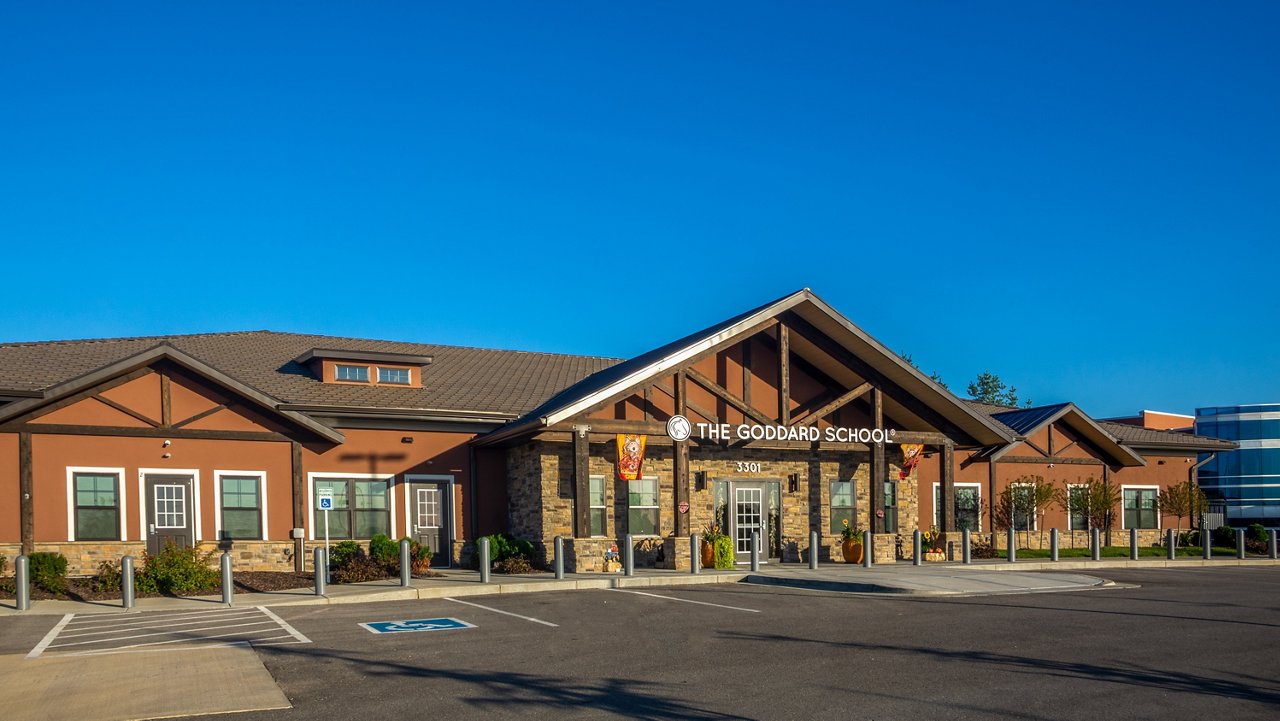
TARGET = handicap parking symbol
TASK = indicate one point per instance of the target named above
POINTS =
(414, 625)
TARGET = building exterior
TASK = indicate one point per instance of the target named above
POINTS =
(1245, 481)
(784, 420)
(1158, 420)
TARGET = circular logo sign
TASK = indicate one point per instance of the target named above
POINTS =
(679, 428)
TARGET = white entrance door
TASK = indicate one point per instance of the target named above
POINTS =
(748, 518)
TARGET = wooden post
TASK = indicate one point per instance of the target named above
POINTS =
(879, 469)
(746, 371)
(26, 495)
(166, 401)
(784, 376)
(991, 501)
(299, 505)
(581, 482)
(680, 464)
(948, 487)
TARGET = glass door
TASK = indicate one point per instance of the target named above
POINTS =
(749, 518)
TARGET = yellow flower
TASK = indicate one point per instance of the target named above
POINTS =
(845, 521)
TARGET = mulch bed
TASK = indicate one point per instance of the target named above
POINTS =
(81, 589)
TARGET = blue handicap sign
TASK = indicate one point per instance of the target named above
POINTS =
(326, 503)
(413, 625)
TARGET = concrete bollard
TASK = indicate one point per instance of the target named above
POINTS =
(1240, 543)
(1133, 544)
(1095, 544)
(965, 555)
(755, 551)
(559, 551)
(695, 554)
(22, 577)
(813, 550)
(629, 557)
(915, 548)
(228, 590)
(1053, 544)
(126, 582)
(483, 559)
(406, 567)
(321, 566)
(1206, 538)
(1271, 546)
(867, 550)
(1012, 555)
(1170, 544)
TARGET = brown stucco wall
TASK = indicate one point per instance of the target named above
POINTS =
(10, 520)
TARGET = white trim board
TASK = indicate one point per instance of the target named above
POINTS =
(197, 527)
(217, 499)
(122, 498)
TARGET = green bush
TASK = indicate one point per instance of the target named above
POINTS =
(419, 555)
(48, 571)
(177, 570)
(725, 557)
(1257, 532)
(109, 577)
(343, 551)
(503, 546)
(385, 551)
(4, 563)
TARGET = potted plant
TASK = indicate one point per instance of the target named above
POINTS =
(708, 547)
(851, 542)
(929, 545)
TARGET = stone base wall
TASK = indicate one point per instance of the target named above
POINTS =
(1069, 539)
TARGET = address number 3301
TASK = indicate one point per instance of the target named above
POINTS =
(746, 467)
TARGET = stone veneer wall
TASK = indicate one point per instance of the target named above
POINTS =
(1072, 539)
(540, 480)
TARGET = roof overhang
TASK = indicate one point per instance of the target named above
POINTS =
(369, 356)
(1089, 429)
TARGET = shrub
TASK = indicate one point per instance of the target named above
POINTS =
(1257, 532)
(341, 552)
(385, 551)
(979, 548)
(419, 555)
(503, 546)
(4, 563)
(724, 554)
(1190, 538)
(359, 568)
(177, 570)
(48, 571)
(513, 564)
(109, 577)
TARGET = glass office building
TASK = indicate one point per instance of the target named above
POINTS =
(1246, 480)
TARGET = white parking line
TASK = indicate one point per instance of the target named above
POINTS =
(169, 632)
(506, 613)
(165, 633)
(112, 619)
(48, 637)
(123, 627)
(685, 600)
(285, 625)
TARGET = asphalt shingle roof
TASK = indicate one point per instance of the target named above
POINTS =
(460, 379)
(1019, 420)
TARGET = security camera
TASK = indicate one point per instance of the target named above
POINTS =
(167, 443)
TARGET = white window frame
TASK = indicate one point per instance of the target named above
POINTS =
(336, 366)
(408, 376)
(831, 504)
(657, 497)
(121, 498)
(1035, 519)
(604, 484)
(1086, 520)
(217, 499)
(197, 528)
(313, 531)
(937, 517)
(1124, 488)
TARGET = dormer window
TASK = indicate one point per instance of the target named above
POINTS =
(355, 374)
(394, 376)
(345, 367)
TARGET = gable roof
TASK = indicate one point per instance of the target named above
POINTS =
(467, 383)
(616, 379)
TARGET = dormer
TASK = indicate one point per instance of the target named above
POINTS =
(365, 368)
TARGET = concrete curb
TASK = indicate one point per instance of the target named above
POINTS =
(1076, 564)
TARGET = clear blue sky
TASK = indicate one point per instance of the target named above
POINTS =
(1081, 197)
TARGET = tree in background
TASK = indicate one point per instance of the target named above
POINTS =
(1093, 499)
(1184, 500)
(1022, 502)
(932, 376)
(988, 388)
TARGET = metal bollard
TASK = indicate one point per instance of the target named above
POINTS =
(1133, 544)
(22, 577)
(228, 590)
(1206, 538)
(755, 551)
(1053, 544)
(695, 554)
(406, 569)
(1271, 546)
(1012, 555)
(867, 540)
(1239, 543)
(1170, 544)
(629, 557)
(813, 550)
(483, 560)
(965, 556)
(915, 548)
(321, 564)
(559, 549)
(126, 582)
(1095, 544)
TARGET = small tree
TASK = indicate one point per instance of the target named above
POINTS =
(932, 376)
(1016, 503)
(1040, 496)
(1093, 499)
(988, 388)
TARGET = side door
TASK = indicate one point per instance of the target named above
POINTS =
(169, 512)
(430, 519)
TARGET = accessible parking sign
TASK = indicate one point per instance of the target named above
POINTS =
(414, 625)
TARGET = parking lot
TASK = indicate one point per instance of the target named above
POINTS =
(1163, 644)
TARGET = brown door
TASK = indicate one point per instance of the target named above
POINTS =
(429, 518)
(169, 512)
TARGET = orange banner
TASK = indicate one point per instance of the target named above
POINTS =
(630, 456)
(911, 454)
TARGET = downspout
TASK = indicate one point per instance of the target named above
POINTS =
(472, 497)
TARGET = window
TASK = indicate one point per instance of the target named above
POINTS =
(97, 507)
(1077, 503)
(968, 504)
(598, 511)
(642, 506)
(1140, 508)
(395, 376)
(890, 507)
(361, 508)
(241, 507)
(359, 374)
(841, 505)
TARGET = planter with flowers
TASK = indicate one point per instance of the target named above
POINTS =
(930, 545)
(851, 542)
(716, 549)
(612, 561)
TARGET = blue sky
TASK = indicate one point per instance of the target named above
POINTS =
(1079, 197)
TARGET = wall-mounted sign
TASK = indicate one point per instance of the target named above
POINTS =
(680, 428)
(684, 506)
(630, 456)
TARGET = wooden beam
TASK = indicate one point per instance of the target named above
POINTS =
(723, 393)
(166, 401)
(948, 487)
(299, 504)
(688, 405)
(1066, 461)
(681, 394)
(680, 468)
(925, 437)
(74, 430)
(834, 405)
(581, 483)
(879, 469)
(126, 410)
(991, 500)
(746, 371)
(614, 427)
(648, 403)
(79, 396)
(1038, 449)
(201, 415)
(26, 495)
(784, 375)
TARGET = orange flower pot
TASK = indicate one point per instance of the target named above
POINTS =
(852, 551)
